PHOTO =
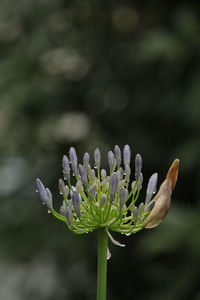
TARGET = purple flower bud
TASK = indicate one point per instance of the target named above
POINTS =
(69, 216)
(113, 186)
(139, 181)
(76, 203)
(92, 192)
(111, 161)
(151, 188)
(138, 165)
(41, 189)
(64, 189)
(102, 200)
(121, 183)
(73, 156)
(140, 209)
(79, 187)
(61, 185)
(104, 185)
(123, 195)
(91, 175)
(63, 211)
(66, 168)
(49, 195)
(73, 160)
(45, 194)
(103, 174)
(97, 158)
(121, 173)
(127, 155)
(86, 159)
(118, 156)
(133, 185)
(128, 172)
(87, 169)
(63, 208)
(67, 212)
(149, 206)
(83, 176)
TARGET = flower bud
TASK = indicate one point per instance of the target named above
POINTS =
(111, 161)
(79, 187)
(133, 185)
(69, 216)
(92, 192)
(127, 155)
(76, 203)
(98, 185)
(128, 172)
(138, 165)
(66, 168)
(41, 190)
(149, 206)
(122, 183)
(151, 188)
(123, 195)
(113, 186)
(103, 174)
(97, 158)
(45, 194)
(61, 185)
(87, 169)
(63, 210)
(49, 195)
(121, 173)
(140, 209)
(117, 153)
(139, 181)
(73, 160)
(102, 200)
(67, 212)
(73, 156)
(83, 176)
(92, 176)
(104, 185)
(64, 189)
(86, 159)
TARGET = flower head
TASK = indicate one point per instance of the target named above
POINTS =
(92, 198)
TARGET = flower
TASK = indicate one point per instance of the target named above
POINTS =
(93, 199)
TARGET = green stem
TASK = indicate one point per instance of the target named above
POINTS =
(102, 264)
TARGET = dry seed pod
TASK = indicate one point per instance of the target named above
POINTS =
(163, 198)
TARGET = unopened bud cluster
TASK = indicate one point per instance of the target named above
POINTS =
(101, 199)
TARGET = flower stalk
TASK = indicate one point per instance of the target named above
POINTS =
(102, 264)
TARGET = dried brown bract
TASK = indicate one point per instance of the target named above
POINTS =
(163, 197)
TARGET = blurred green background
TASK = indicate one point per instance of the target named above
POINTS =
(93, 74)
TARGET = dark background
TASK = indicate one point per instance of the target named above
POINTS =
(94, 74)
